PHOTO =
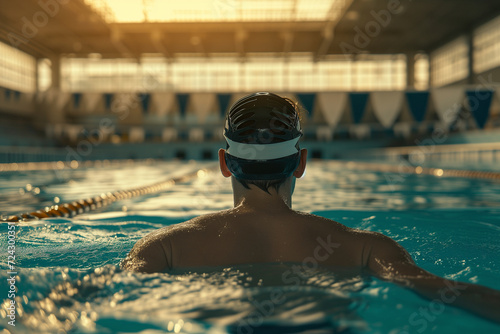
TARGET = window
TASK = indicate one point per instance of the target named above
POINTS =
(487, 46)
(421, 72)
(450, 62)
(17, 69)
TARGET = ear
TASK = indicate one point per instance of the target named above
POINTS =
(222, 162)
(299, 172)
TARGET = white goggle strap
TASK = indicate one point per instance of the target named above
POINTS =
(262, 151)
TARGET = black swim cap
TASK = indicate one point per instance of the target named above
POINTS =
(262, 131)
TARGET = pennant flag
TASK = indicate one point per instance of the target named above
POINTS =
(182, 98)
(108, 98)
(7, 94)
(479, 105)
(387, 106)
(358, 105)
(145, 98)
(417, 103)
(448, 102)
(332, 105)
(17, 95)
(223, 103)
(202, 105)
(307, 100)
(162, 103)
(76, 100)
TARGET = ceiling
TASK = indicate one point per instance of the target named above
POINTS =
(76, 29)
(216, 10)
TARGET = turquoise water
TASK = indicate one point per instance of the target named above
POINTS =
(68, 279)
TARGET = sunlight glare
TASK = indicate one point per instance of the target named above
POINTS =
(128, 11)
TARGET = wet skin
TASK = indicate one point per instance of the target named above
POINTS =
(263, 228)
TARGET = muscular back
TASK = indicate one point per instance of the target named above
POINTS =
(240, 237)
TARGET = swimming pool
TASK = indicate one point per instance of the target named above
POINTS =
(68, 278)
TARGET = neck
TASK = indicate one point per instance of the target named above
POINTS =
(256, 199)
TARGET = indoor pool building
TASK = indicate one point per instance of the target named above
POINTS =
(111, 119)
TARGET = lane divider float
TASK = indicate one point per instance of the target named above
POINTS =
(409, 169)
(74, 208)
(85, 205)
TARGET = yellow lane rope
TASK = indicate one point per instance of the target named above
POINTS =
(73, 164)
(77, 207)
(409, 169)
(85, 205)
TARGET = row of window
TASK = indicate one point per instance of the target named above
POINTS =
(450, 63)
(374, 73)
(17, 69)
(487, 46)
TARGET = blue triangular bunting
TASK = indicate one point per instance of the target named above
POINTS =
(182, 98)
(417, 103)
(145, 98)
(307, 100)
(17, 95)
(479, 105)
(223, 103)
(76, 100)
(108, 98)
(358, 105)
(7, 94)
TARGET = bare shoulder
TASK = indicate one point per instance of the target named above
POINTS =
(368, 238)
(149, 254)
(154, 252)
(385, 257)
(374, 247)
(319, 222)
(381, 245)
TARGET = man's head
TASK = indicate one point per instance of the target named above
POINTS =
(262, 131)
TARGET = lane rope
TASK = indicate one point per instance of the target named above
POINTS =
(409, 169)
(74, 208)
(72, 164)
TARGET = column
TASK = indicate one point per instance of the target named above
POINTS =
(410, 70)
(470, 44)
(56, 73)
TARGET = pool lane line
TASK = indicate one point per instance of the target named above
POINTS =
(77, 207)
(73, 164)
(85, 205)
(418, 170)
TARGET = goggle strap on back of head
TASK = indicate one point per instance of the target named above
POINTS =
(262, 151)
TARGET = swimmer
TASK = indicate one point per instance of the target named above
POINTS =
(263, 160)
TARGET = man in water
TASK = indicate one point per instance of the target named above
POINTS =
(263, 159)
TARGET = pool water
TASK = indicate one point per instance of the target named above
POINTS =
(68, 278)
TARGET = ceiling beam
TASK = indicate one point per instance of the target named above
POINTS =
(157, 40)
(197, 43)
(31, 47)
(334, 15)
(117, 41)
(240, 37)
(215, 27)
(288, 38)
